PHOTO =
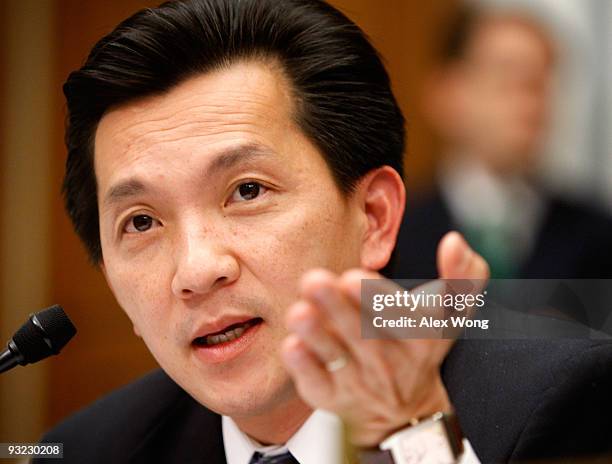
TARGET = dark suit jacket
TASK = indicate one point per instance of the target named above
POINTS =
(516, 400)
(574, 241)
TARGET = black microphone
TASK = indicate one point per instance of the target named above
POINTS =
(45, 333)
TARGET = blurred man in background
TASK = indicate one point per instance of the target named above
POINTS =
(489, 101)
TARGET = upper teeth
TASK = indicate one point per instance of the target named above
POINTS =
(225, 336)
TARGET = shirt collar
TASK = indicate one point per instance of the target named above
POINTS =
(317, 441)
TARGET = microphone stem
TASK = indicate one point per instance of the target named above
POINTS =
(8, 360)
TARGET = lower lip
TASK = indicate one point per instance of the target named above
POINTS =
(227, 351)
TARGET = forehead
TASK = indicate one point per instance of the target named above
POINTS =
(511, 37)
(245, 103)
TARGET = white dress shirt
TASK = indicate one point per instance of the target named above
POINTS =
(317, 441)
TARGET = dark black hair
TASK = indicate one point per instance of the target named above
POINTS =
(465, 22)
(458, 32)
(342, 91)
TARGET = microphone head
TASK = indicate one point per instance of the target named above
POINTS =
(45, 333)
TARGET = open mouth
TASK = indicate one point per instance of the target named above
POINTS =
(228, 334)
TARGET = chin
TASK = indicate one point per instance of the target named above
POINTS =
(251, 395)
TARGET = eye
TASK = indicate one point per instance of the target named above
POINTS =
(139, 223)
(248, 191)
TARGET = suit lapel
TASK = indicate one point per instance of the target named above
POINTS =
(188, 434)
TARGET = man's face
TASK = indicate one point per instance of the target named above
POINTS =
(499, 94)
(212, 205)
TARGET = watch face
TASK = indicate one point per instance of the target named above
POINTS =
(425, 443)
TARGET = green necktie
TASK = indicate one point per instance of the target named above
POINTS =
(495, 245)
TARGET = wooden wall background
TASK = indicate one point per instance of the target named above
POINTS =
(105, 354)
(3, 26)
(26, 121)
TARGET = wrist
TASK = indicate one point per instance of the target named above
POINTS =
(433, 439)
(371, 435)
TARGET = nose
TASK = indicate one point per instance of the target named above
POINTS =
(203, 264)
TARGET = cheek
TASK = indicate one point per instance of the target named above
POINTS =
(141, 296)
(138, 288)
(315, 235)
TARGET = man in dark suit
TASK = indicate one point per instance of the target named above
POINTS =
(489, 102)
(221, 150)
(572, 241)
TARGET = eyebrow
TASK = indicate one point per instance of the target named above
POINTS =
(231, 157)
(225, 161)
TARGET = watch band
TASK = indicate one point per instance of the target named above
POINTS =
(454, 433)
(375, 456)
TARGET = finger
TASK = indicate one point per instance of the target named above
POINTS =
(360, 287)
(312, 381)
(456, 260)
(304, 319)
(321, 288)
(406, 357)
(373, 358)
(462, 270)
(351, 282)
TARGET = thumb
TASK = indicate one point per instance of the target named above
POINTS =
(456, 260)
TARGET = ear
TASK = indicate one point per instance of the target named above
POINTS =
(104, 273)
(382, 199)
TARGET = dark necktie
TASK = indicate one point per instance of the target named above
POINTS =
(496, 246)
(285, 458)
